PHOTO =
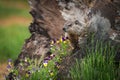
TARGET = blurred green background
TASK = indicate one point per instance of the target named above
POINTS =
(14, 22)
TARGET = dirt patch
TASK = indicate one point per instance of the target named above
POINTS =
(15, 20)
(20, 5)
(3, 71)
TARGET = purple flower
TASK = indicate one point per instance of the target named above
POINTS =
(45, 61)
(9, 66)
(47, 58)
(54, 40)
(9, 60)
(57, 64)
(63, 39)
(28, 72)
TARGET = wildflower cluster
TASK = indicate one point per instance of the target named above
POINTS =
(62, 39)
(13, 72)
(10, 65)
(49, 67)
(59, 49)
(61, 45)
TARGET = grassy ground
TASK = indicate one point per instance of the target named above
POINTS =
(14, 22)
(12, 39)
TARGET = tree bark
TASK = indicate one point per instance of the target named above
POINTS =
(47, 25)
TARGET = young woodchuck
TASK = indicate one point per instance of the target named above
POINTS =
(78, 30)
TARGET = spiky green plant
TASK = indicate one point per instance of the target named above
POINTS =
(97, 65)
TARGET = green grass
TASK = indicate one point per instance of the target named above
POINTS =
(11, 41)
(12, 37)
(7, 9)
(97, 65)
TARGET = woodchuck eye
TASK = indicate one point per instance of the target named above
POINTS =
(64, 29)
(78, 23)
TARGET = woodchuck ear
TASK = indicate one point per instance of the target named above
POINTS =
(78, 23)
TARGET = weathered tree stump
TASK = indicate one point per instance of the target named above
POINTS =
(51, 16)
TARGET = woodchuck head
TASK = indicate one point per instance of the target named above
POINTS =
(75, 31)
